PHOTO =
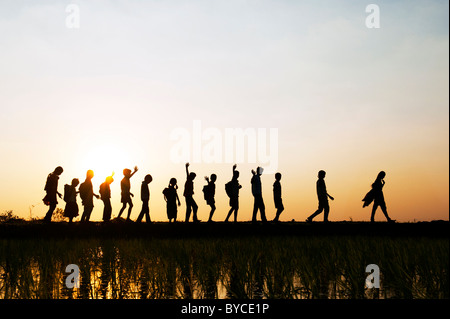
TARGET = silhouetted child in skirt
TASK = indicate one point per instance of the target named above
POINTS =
(70, 197)
(171, 198)
(126, 194)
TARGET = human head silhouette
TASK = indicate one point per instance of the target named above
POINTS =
(259, 170)
(58, 170)
(235, 174)
(213, 177)
(75, 182)
(148, 178)
(109, 180)
(127, 172)
(381, 175)
(89, 174)
(278, 176)
(321, 174)
(173, 182)
(192, 176)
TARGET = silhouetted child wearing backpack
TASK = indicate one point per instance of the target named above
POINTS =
(51, 189)
(70, 197)
(86, 191)
(171, 198)
(232, 190)
(209, 191)
(126, 194)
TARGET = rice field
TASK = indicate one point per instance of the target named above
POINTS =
(289, 267)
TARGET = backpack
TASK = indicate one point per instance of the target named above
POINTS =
(67, 192)
(83, 191)
(207, 192)
(166, 192)
(229, 188)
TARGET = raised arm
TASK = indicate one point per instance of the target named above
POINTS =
(187, 170)
(135, 170)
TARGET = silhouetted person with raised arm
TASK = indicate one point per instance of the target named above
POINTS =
(277, 196)
(126, 195)
(322, 196)
(145, 197)
(232, 189)
(105, 195)
(70, 197)
(87, 196)
(378, 197)
(209, 191)
(51, 188)
(257, 194)
(171, 198)
(188, 193)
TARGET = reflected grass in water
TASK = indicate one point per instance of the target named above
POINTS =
(252, 267)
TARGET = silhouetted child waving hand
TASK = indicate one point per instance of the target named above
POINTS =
(188, 193)
(126, 195)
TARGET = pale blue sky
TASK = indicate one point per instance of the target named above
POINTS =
(344, 97)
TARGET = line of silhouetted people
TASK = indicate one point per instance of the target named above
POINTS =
(86, 193)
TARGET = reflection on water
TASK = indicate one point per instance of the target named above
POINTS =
(225, 268)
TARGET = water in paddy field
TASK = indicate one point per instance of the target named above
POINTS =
(255, 268)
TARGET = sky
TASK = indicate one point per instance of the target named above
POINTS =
(108, 85)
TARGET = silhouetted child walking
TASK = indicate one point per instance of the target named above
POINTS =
(171, 198)
(87, 196)
(70, 197)
(257, 194)
(232, 189)
(277, 196)
(126, 194)
(51, 188)
(105, 195)
(209, 192)
(145, 197)
(323, 196)
(188, 193)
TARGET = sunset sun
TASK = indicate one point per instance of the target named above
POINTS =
(104, 159)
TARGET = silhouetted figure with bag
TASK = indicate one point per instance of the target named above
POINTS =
(232, 189)
(376, 195)
(87, 196)
(209, 192)
(277, 196)
(70, 197)
(145, 197)
(126, 195)
(257, 195)
(105, 195)
(188, 193)
(323, 196)
(171, 198)
(51, 188)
